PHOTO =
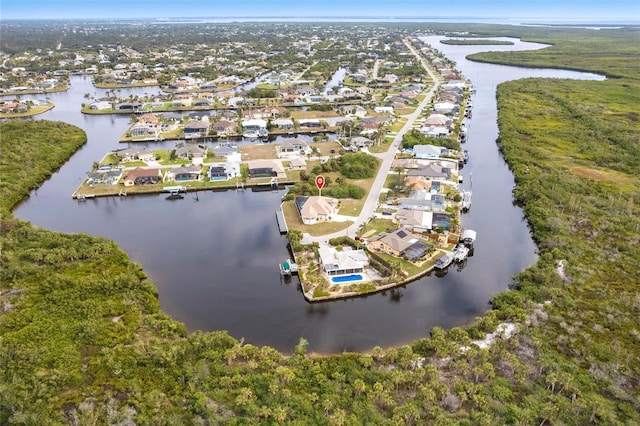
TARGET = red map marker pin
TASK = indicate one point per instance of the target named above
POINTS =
(319, 181)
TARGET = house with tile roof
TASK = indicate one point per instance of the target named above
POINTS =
(316, 209)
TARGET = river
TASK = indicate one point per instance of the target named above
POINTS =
(215, 259)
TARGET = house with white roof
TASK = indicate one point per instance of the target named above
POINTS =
(293, 148)
(429, 151)
(416, 220)
(344, 262)
(446, 107)
(283, 123)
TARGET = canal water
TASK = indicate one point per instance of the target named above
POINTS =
(215, 259)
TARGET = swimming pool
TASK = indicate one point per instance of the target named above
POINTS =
(347, 278)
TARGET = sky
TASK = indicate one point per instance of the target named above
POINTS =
(522, 10)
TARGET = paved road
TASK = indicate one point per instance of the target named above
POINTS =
(371, 203)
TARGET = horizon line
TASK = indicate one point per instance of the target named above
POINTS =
(521, 19)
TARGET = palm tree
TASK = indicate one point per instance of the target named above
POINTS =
(377, 137)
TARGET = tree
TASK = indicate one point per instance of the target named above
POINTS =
(301, 348)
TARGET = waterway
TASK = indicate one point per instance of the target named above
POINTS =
(215, 259)
(336, 80)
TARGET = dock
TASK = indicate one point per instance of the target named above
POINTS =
(288, 267)
(84, 196)
(174, 189)
(466, 200)
(282, 222)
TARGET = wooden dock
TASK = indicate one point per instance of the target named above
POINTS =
(282, 222)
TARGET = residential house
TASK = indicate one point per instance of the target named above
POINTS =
(309, 122)
(396, 242)
(275, 111)
(254, 114)
(449, 97)
(224, 127)
(429, 151)
(207, 95)
(314, 99)
(293, 148)
(407, 95)
(195, 153)
(291, 98)
(201, 102)
(432, 171)
(344, 262)
(10, 106)
(415, 220)
(184, 174)
(354, 97)
(266, 168)
(369, 128)
(128, 106)
(316, 209)
(446, 107)
(228, 151)
(217, 173)
(140, 176)
(150, 119)
(435, 132)
(141, 130)
(224, 171)
(283, 123)
(298, 163)
(361, 142)
(100, 177)
(424, 200)
(336, 121)
(208, 86)
(196, 129)
(134, 154)
(438, 120)
(100, 105)
(384, 109)
(379, 120)
(357, 110)
(388, 79)
(359, 78)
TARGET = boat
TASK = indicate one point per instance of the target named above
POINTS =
(465, 154)
(444, 261)
(175, 195)
(469, 237)
(288, 267)
(460, 253)
(466, 200)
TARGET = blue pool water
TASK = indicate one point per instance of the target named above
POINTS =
(347, 278)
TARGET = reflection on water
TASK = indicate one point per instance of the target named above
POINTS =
(215, 259)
